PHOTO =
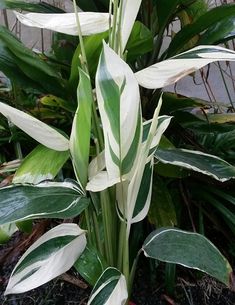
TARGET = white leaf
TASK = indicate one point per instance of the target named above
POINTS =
(171, 70)
(91, 23)
(51, 255)
(129, 13)
(101, 182)
(38, 130)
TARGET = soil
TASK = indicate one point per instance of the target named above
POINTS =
(205, 291)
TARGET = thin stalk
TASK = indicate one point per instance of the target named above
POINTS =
(133, 271)
(115, 21)
(225, 86)
(97, 231)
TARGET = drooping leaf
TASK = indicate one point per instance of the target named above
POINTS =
(47, 258)
(110, 289)
(46, 200)
(90, 265)
(172, 245)
(41, 164)
(91, 23)
(40, 131)
(119, 105)
(197, 161)
(171, 70)
(81, 129)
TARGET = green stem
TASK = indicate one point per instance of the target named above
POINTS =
(133, 271)
(97, 234)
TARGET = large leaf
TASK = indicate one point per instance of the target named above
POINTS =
(110, 289)
(191, 250)
(38, 130)
(41, 164)
(170, 71)
(90, 265)
(197, 161)
(129, 13)
(91, 23)
(119, 105)
(46, 200)
(81, 130)
(51, 255)
(211, 18)
(42, 7)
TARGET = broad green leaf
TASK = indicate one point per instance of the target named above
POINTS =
(119, 105)
(41, 164)
(178, 247)
(38, 130)
(46, 200)
(130, 9)
(91, 23)
(171, 70)
(162, 210)
(195, 9)
(197, 161)
(27, 6)
(110, 289)
(165, 11)
(90, 265)
(6, 231)
(207, 20)
(81, 129)
(47, 258)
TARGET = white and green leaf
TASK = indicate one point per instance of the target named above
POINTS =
(173, 69)
(197, 161)
(41, 164)
(119, 105)
(175, 246)
(110, 289)
(46, 200)
(91, 23)
(38, 130)
(81, 129)
(47, 258)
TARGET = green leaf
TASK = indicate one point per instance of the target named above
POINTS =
(47, 258)
(32, 7)
(175, 246)
(209, 19)
(41, 164)
(81, 129)
(46, 200)
(140, 41)
(165, 11)
(197, 161)
(6, 231)
(90, 265)
(110, 289)
(162, 210)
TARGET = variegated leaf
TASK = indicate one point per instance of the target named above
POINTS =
(129, 13)
(47, 258)
(38, 130)
(46, 200)
(119, 105)
(91, 23)
(110, 289)
(171, 70)
(81, 129)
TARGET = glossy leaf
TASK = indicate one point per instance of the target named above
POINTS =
(199, 26)
(90, 265)
(197, 161)
(172, 70)
(81, 129)
(46, 200)
(36, 129)
(91, 23)
(119, 105)
(47, 258)
(110, 289)
(176, 246)
(41, 164)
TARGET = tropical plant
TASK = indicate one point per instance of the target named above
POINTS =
(113, 191)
